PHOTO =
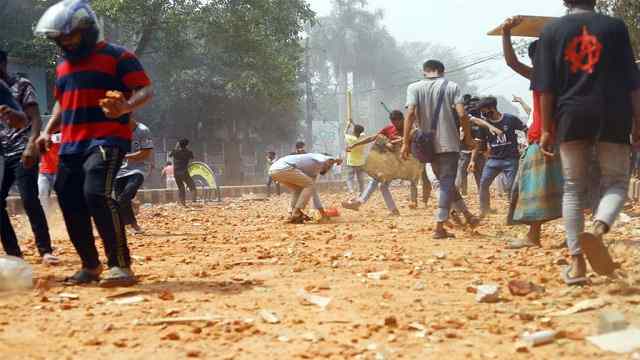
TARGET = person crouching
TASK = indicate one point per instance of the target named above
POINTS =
(299, 173)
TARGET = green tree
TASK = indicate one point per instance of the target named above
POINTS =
(629, 11)
(351, 47)
(224, 70)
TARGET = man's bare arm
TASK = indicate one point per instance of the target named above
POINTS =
(523, 104)
(365, 141)
(140, 155)
(56, 120)
(13, 118)
(509, 53)
(348, 126)
(140, 97)
(485, 124)
(547, 105)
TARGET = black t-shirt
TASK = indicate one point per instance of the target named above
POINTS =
(505, 146)
(14, 141)
(181, 159)
(585, 59)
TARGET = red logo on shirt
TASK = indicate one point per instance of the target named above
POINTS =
(583, 52)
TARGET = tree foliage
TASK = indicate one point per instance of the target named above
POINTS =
(629, 11)
(351, 47)
(224, 70)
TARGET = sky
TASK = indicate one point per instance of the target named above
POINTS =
(464, 25)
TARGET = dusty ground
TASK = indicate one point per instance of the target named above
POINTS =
(227, 263)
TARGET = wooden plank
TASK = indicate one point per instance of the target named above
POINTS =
(531, 26)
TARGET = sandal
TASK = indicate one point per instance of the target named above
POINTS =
(83, 277)
(521, 244)
(473, 221)
(573, 281)
(456, 218)
(351, 205)
(441, 235)
(118, 277)
(597, 254)
(559, 245)
(50, 260)
(296, 220)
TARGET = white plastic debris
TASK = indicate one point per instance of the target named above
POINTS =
(539, 338)
(380, 275)
(269, 316)
(489, 293)
(620, 342)
(320, 301)
(15, 274)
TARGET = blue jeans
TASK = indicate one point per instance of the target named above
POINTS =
(445, 167)
(355, 173)
(614, 162)
(492, 169)
(384, 189)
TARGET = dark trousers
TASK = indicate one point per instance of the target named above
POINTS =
(84, 186)
(126, 189)
(181, 180)
(27, 180)
(270, 182)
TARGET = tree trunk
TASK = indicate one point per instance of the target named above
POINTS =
(232, 158)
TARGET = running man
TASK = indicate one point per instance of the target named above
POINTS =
(393, 133)
(98, 85)
(131, 176)
(182, 157)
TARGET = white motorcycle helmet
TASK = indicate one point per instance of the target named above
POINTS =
(66, 17)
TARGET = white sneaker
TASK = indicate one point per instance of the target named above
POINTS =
(50, 259)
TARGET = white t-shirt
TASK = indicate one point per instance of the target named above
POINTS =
(311, 164)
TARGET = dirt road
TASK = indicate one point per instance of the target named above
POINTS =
(365, 286)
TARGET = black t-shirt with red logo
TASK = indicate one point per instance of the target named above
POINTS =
(586, 60)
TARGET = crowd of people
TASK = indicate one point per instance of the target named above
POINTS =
(577, 157)
(584, 117)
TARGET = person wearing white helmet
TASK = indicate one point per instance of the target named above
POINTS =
(98, 85)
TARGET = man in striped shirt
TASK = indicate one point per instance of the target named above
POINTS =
(98, 85)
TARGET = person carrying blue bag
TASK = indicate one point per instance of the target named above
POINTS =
(437, 141)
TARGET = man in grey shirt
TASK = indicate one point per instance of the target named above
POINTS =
(299, 173)
(135, 167)
(422, 99)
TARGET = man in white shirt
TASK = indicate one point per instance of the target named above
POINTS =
(299, 173)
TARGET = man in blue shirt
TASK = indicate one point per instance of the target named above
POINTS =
(503, 149)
